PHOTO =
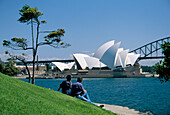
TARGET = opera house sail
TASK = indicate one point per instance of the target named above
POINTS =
(108, 55)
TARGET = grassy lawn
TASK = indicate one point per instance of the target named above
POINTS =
(19, 97)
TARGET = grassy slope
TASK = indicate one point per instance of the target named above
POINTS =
(19, 97)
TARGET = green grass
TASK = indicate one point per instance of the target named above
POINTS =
(19, 97)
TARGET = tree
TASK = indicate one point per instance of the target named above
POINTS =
(163, 67)
(31, 16)
(10, 69)
(2, 66)
(22, 59)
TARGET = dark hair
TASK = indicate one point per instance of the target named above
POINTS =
(79, 79)
(68, 77)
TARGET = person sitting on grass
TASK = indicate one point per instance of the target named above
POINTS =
(66, 85)
(78, 91)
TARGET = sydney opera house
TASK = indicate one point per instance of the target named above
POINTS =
(108, 61)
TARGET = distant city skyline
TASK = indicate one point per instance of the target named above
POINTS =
(89, 24)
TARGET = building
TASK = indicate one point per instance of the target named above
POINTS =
(108, 55)
(108, 61)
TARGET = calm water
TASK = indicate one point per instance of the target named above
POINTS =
(143, 94)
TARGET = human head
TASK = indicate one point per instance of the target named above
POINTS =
(68, 77)
(79, 79)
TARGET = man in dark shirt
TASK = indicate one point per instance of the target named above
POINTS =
(79, 91)
(66, 85)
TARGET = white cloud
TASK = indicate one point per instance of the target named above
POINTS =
(71, 56)
(85, 51)
(28, 57)
(3, 57)
(49, 58)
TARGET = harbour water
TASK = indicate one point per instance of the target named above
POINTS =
(143, 94)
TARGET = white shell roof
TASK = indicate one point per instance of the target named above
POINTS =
(109, 56)
(61, 66)
(94, 62)
(123, 55)
(102, 49)
(70, 65)
(132, 58)
(118, 61)
(80, 59)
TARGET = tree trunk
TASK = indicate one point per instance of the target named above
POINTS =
(33, 79)
(33, 71)
(35, 52)
(28, 72)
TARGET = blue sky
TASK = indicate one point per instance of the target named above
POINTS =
(89, 23)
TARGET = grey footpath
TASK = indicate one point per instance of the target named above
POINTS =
(123, 110)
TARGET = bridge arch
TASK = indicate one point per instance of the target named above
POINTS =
(149, 49)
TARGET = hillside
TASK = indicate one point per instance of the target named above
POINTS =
(19, 97)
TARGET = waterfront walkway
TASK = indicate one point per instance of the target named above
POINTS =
(122, 110)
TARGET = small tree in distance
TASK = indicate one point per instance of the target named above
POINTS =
(8, 68)
(22, 59)
(31, 16)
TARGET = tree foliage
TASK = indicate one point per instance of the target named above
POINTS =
(163, 67)
(147, 69)
(16, 43)
(9, 68)
(27, 14)
(31, 16)
(2, 66)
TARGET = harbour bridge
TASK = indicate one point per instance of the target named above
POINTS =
(149, 51)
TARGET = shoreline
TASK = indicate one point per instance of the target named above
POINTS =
(86, 76)
(123, 110)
